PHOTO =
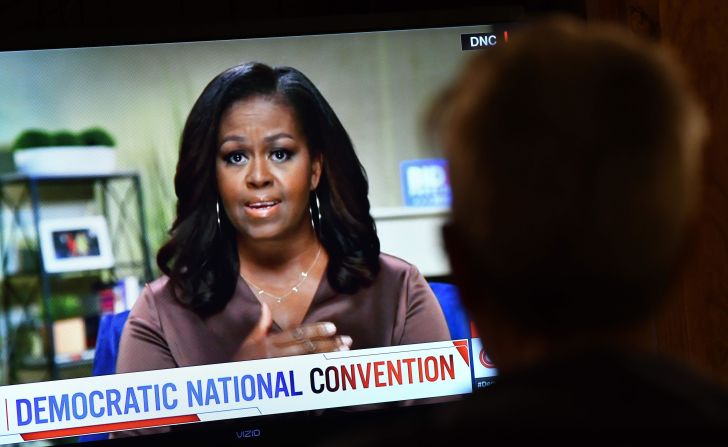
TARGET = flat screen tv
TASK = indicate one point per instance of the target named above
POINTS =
(93, 127)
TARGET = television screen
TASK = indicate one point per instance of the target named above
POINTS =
(248, 148)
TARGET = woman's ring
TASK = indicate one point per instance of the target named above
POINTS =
(309, 345)
(298, 333)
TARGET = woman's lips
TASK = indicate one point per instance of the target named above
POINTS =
(262, 208)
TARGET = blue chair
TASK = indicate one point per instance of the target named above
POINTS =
(107, 343)
(110, 327)
(107, 349)
(457, 320)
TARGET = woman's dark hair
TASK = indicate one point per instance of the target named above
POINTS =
(201, 259)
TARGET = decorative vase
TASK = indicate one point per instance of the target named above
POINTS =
(65, 160)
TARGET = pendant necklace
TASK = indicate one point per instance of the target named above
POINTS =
(279, 298)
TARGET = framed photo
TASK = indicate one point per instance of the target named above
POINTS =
(76, 243)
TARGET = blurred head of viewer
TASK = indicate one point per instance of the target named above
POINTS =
(262, 158)
(575, 154)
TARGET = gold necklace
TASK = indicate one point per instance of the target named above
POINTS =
(294, 289)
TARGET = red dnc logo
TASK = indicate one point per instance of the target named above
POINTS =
(485, 360)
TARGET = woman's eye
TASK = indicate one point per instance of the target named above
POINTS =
(236, 158)
(280, 155)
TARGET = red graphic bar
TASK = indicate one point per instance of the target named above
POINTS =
(7, 418)
(75, 431)
(462, 347)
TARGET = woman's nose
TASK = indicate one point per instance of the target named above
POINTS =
(258, 175)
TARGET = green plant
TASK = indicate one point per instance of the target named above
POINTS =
(96, 136)
(25, 341)
(32, 138)
(64, 306)
(65, 138)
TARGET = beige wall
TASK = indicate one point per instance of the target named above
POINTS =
(378, 84)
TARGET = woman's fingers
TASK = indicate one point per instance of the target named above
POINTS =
(315, 331)
(260, 331)
(256, 345)
(312, 346)
(307, 339)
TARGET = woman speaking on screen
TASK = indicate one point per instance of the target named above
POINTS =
(273, 251)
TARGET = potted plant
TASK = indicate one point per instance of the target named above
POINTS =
(89, 152)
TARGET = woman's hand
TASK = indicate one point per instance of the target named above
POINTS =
(306, 339)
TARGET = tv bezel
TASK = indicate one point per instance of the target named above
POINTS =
(308, 427)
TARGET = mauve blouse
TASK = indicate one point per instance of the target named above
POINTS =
(397, 308)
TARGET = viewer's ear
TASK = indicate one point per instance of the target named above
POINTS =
(317, 164)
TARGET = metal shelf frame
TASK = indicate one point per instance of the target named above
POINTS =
(119, 199)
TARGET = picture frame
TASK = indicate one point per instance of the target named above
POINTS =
(75, 244)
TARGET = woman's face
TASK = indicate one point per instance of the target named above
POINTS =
(264, 170)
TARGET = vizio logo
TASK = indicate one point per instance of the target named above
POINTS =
(244, 434)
